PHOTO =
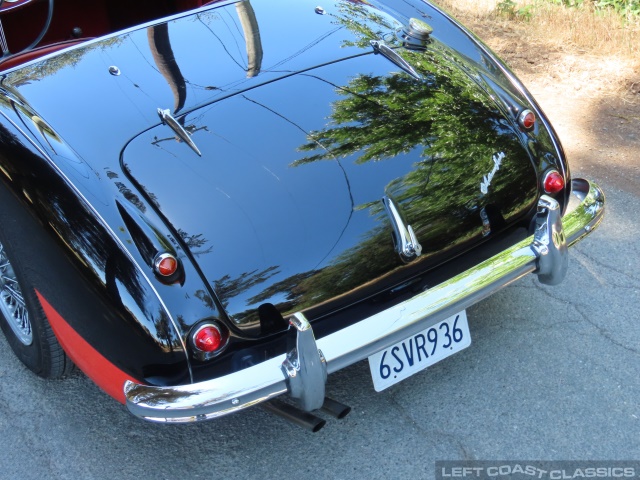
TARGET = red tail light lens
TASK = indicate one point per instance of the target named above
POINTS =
(553, 182)
(527, 120)
(166, 264)
(208, 338)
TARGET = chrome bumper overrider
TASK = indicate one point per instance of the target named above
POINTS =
(302, 373)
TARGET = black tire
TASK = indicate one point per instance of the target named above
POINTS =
(24, 324)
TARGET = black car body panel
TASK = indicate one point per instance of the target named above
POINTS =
(114, 306)
(301, 124)
(304, 223)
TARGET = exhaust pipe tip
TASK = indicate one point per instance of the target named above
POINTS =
(303, 419)
(335, 408)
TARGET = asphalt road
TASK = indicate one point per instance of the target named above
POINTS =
(552, 373)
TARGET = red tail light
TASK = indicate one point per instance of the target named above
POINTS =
(527, 120)
(553, 182)
(208, 338)
(166, 264)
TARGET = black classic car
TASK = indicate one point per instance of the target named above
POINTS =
(205, 206)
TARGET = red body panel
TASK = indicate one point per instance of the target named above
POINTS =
(104, 373)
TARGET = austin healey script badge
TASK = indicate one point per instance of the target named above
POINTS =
(486, 180)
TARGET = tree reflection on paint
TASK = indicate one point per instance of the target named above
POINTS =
(453, 129)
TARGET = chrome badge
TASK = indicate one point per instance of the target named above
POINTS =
(406, 243)
(486, 180)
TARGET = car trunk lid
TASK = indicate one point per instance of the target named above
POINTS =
(285, 204)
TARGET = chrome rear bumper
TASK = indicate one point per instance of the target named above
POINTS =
(302, 373)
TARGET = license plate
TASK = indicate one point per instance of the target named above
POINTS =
(399, 361)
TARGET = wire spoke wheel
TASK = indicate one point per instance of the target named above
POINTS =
(12, 305)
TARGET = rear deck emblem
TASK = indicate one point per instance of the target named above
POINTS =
(486, 180)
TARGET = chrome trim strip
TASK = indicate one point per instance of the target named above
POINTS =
(245, 388)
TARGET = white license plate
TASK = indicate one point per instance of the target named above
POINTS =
(399, 361)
